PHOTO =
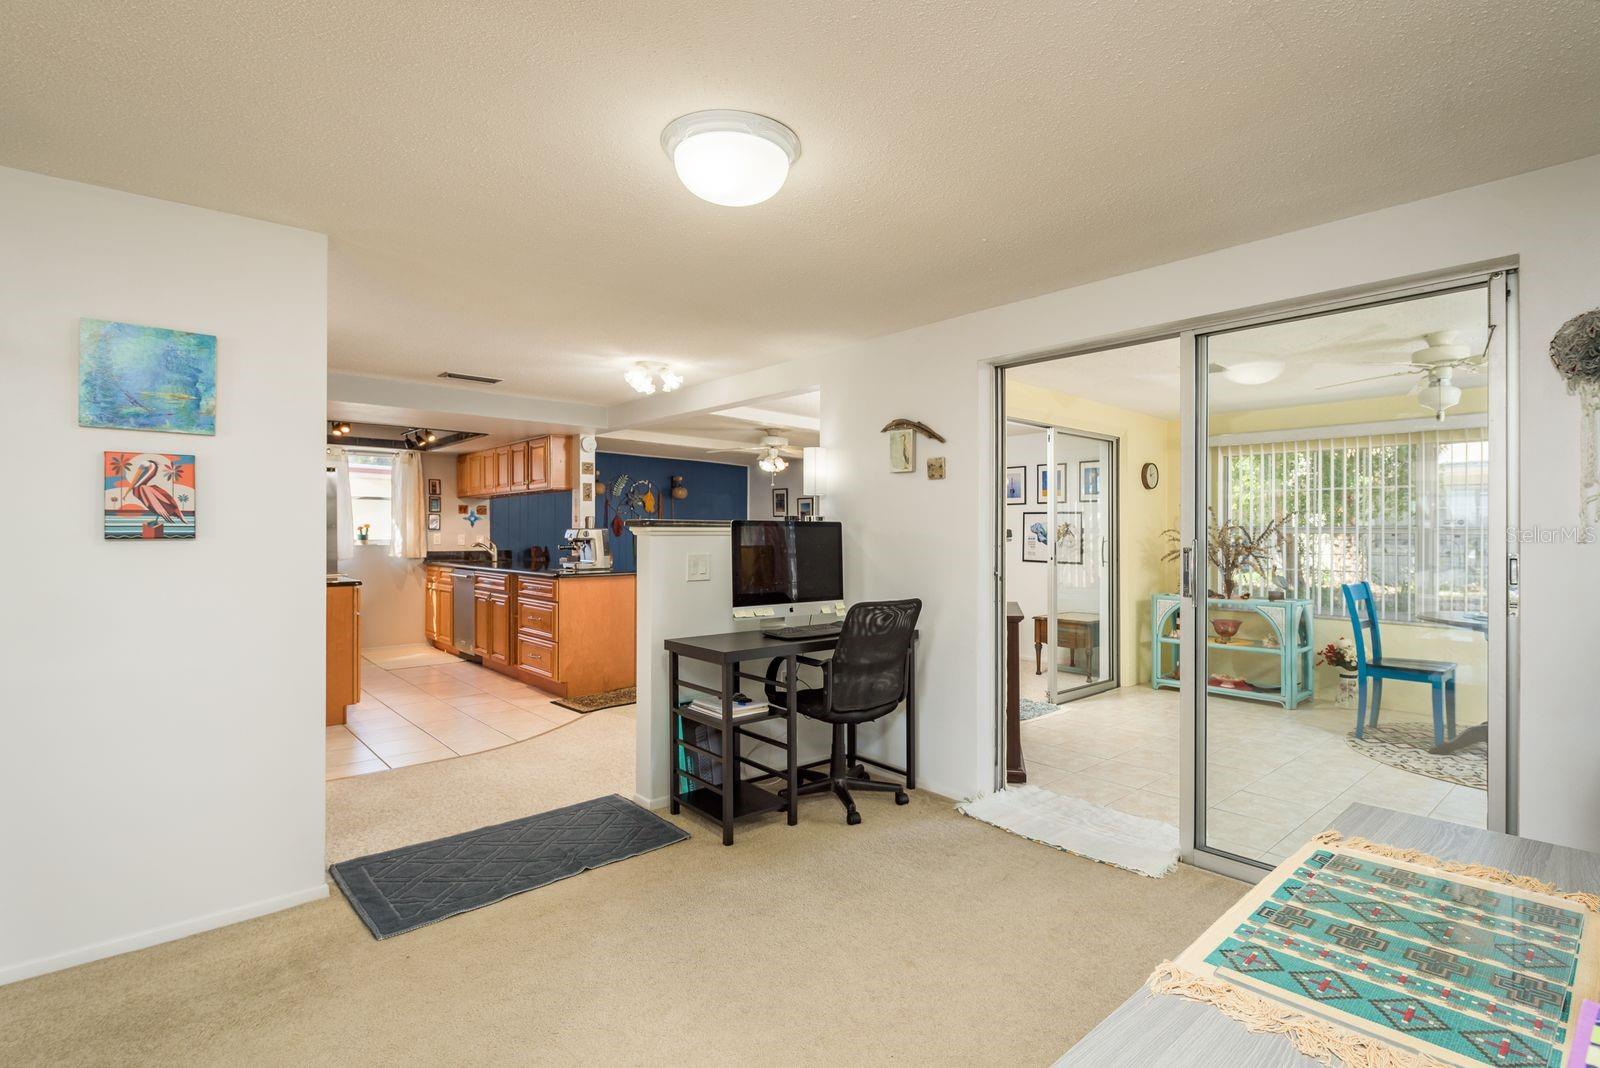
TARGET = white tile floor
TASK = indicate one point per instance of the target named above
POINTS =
(412, 715)
(1275, 777)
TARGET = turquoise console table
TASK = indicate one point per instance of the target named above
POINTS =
(1284, 637)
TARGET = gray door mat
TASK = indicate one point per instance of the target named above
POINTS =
(402, 889)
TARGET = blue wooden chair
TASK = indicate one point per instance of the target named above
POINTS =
(1436, 673)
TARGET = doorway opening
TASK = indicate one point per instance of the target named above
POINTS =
(1090, 485)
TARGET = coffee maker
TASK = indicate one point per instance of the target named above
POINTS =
(586, 549)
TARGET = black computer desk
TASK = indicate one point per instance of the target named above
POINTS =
(730, 652)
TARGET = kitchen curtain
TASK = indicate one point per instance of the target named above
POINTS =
(405, 507)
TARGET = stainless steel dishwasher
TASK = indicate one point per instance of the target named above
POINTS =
(465, 625)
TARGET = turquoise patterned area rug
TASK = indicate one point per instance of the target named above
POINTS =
(1374, 958)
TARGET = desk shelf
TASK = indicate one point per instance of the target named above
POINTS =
(751, 800)
(1289, 622)
(714, 721)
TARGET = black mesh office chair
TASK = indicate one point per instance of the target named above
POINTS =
(865, 680)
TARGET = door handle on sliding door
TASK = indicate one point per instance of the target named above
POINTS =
(1186, 573)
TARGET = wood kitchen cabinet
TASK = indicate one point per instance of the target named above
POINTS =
(491, 604)
(344, 649)
(502, 470)
(537, 465)
(519, 467)
(439, 608)
(575, 633)
(569, 635)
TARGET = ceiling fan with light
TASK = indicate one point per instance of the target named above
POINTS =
(774, 452)
(1441, 356)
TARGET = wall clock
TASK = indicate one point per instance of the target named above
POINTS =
(1149, 476)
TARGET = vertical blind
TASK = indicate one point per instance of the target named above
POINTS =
(1408, 512)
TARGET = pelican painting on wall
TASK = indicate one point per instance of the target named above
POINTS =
(149, 496)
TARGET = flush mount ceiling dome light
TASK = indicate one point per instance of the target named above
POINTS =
(1253, 372)
(732, 158)
(644, 377)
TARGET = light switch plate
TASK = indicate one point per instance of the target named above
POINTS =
(699, 567)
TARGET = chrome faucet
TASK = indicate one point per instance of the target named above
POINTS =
(494, 550)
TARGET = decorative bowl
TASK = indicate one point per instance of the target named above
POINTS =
(1226, 629)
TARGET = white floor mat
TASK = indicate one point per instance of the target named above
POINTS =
(404, 656)
(1148, 847)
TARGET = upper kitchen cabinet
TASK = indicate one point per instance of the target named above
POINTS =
(536, 465)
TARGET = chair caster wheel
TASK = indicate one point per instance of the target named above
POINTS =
(860, 772)
(901, 798)
(852, 817)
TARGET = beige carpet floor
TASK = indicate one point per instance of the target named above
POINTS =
(919, 937)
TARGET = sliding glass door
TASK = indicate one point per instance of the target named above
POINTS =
(1081, 510)
(1348, 598)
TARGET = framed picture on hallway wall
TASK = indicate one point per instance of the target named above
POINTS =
(780, 502)
(1069, 537)
(1036, 537)
(1016, 488)
(1088, 480)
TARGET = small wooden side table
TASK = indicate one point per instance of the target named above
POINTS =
(1076, 632)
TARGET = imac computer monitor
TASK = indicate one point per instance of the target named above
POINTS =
(783, 568)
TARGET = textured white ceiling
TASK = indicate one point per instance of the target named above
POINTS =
(498, 203)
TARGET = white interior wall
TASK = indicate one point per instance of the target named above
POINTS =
(392, 591)
(163, 772)
(906, 536)
(762, 485)
(1027, 583)
(455, 534)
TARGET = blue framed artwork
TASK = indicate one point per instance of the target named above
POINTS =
(1088, 480)
(146, 378)
(1016, 485)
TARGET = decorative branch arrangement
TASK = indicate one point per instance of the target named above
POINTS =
(1575, 351)
(914, 425)
(1233, 547)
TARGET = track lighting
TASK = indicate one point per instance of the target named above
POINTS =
(337, 429)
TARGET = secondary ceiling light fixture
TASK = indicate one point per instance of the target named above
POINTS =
(732, 158)
(772, 462)
(644, 378)
(1253, 372)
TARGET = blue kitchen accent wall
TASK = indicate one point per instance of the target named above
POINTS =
(528, 519)
(716, 491)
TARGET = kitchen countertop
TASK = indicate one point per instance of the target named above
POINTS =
(342, 580)
(548, 572)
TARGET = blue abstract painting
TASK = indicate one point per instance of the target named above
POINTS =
(146, 378)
